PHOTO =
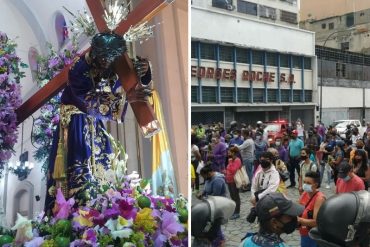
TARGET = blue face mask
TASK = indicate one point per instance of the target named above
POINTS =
(347, 178)
(307, 187)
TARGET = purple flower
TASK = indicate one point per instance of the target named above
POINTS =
(53, 62)
(3, 77)
(111, 213)
(169, 227)
(127, 211)
(36, 242)
(90, 235)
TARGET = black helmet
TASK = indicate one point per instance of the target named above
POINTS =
(343, 220)
(209, 214)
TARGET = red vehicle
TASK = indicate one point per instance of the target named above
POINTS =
(275, 129)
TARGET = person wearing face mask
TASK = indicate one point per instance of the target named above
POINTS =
(361, 167)
(266, 179)
(236, 140)
(281, 168)
(348, 181)
(295, 146)
(200, 131)
(214, 184)
(311, 199)
(282, 148)
(233, 166)
(306, 165)
(276, 215)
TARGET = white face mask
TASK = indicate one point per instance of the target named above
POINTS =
(307, 187)
(235, 136)
(278, 143)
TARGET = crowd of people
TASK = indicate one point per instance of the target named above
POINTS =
(316, 155)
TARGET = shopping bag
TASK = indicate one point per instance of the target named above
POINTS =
(241, 178)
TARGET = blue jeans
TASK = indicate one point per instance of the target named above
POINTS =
(249, 165)
(306, 241)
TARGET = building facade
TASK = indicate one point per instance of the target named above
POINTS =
(251, 62)
(345, 87)
(319, 9)
(349, 31)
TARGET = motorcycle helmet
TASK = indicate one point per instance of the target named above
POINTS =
(209, 214)
(343, 220)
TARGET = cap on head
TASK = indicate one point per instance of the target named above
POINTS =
(274, 205)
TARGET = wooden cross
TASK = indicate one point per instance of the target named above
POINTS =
(143, 12)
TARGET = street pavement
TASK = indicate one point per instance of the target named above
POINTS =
(235, 230)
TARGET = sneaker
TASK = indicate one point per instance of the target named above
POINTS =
(291, 186)
(327, 186)
(235, 216)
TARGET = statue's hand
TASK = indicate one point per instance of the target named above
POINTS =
(140, 93)
(141, 66)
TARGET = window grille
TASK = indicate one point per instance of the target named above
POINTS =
(244, 95)
(284, 60)
(323, 25)
(331, 25)
(226, 53)
(344, 46)
(308, 95)
(209, 94)
(272, 95)
(247, 7)
(297, 62)
(257, 57)
(207, 51)
(271, 59)
(285, 95)
(336, 55)
(297, 95)
(288, 17)
(307, 63)
(227, 94)
(258, 95)
(194, 94)
(194, 50)
(242, 55)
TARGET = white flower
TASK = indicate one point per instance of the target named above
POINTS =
(125, 233)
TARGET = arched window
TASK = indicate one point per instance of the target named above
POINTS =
(61, 29)
(32, 61)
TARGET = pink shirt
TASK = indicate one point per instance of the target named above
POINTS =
(354, 184)
(231, 169)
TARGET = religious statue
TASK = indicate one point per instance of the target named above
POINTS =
(80, 147)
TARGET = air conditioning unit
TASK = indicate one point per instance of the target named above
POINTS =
(230, 7)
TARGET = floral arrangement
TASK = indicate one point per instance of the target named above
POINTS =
(124, 213)
(46, 123)
(10, 99)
